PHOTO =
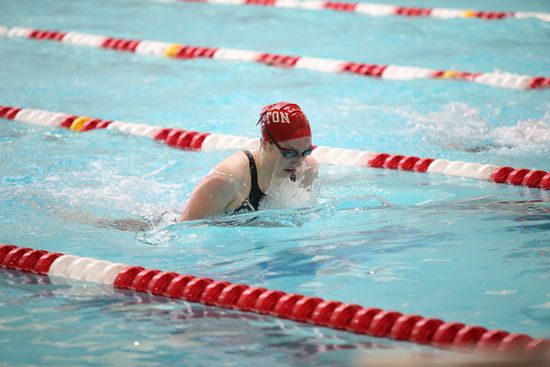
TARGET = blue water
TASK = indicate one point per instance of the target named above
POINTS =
(438, 246)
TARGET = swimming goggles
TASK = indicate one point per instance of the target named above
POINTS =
(291, 153)
(285, 152)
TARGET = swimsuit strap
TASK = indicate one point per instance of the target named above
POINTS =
(256, 193)
(252, 202)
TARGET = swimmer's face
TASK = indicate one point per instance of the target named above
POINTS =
(289, 155)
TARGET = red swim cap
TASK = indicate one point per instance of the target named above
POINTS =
(283, 121)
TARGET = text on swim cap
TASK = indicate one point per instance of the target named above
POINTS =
(277, 117)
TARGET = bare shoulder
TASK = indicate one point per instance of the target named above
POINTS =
(217, 190)
(225, 175)
(233, 167)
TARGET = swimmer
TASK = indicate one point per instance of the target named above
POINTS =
(239, 182)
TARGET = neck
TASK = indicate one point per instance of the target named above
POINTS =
(265, 169)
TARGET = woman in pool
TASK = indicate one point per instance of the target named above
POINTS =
(239, 182)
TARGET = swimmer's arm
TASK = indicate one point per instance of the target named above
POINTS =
(130, 224)
(209, 198)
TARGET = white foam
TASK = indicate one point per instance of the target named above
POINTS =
(456, 126)
(459, 126)
(531, 135)
(284, 194)
(501, 292)
(112, 195)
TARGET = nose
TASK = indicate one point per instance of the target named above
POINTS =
(297, 161)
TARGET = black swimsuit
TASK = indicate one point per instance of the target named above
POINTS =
(252, 202)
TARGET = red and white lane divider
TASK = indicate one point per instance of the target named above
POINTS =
(177, 51)
(193, 140)
(312, 310)
(379, 10)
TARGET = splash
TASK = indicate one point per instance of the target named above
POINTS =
(531, 135)
(461, 127)
(284, 194)
(457, 126)
(110, 192)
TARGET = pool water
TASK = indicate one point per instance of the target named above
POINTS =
(438, 246)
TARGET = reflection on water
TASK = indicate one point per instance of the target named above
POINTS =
(149, 324)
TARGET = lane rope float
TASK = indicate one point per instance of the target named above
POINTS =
(177, 51)
(380, 10)
(312, 310)
(193, 140)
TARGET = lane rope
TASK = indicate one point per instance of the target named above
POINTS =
(194, 140)
(313, 310)
(186, 52)
(380, 10)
